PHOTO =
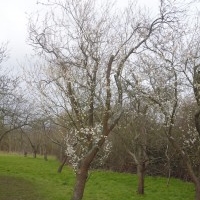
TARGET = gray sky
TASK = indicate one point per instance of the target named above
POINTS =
(13, 26)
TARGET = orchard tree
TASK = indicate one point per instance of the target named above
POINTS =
(190, 61)
(136, 126)
(13, 105)
(169, 69)
(86, 46)
(35, 135)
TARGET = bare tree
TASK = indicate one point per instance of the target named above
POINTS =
(86, 47)
(13, 105)
(190, 68)
(170, 56)
(135, 124)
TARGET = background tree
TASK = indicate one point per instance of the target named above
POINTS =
(137, 130)
(13, 105)
(164, 84)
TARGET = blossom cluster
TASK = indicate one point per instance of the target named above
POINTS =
(190, 138)
(80, 142)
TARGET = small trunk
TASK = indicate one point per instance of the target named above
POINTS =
(45, 156)
(81, 178)
(34, 153)
(141, 175)
(45, 153)
(25, 153)
(62, 165)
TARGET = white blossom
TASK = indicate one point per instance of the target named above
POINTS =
(80, 142)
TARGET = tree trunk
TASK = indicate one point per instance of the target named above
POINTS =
(62, 165)
(141, 175)
(188, 164)
(45, 153)
(82, 172)
(25, 153)
(45, 156)
(197, 191)
(34, 153)
(81, 178)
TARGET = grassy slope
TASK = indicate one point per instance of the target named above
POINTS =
(41, 180)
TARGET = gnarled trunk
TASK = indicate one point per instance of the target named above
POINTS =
(82, 172)
(81, 178)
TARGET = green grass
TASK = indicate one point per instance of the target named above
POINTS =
(26, 178)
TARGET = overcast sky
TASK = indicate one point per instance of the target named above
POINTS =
(13, 26)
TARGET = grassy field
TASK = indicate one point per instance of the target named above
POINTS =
(26, 178)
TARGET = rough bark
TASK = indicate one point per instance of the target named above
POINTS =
(141, 175)
(142, 163)
(197, 192)
(81, 178)
(82, 172)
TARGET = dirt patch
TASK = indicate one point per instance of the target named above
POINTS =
(12, 188)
